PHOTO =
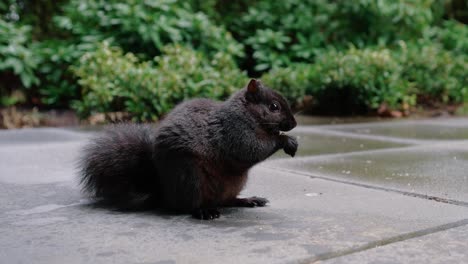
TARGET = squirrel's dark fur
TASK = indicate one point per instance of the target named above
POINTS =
(196, 159)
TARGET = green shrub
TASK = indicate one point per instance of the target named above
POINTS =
(282, 32)
(354, 81)
(15, 54)
(402, 50)
(434, 73)
(357, 80)
(223, 12)
(141, 27)
(58, 84)
(113, 81)
(146, 26)
(383, 21)
(361, 80)
(452, 35)
(292, 82)
(37, 14)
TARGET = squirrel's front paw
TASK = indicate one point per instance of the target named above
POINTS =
(290, 146)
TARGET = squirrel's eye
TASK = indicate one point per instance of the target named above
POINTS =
(274, 107)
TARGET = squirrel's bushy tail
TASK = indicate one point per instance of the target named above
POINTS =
(118, 168)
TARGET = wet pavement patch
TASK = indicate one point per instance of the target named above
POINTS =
(320, 142)
(425, 131)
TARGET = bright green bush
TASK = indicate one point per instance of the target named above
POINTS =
(283, 32)
(347, 82)
(292, 82)
(15, 53)
(140, 27)
(58, 84)
(357, 80)
(145, 27)
(383, 21)
(452, 35)
(361, 80)
(114, 81)
(402, 50)
(223, 12)
(434, 73)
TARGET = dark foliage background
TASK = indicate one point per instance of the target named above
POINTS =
(143, 57)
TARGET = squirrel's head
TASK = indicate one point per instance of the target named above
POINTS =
(269, 108)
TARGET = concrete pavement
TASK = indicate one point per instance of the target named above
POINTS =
(374, 192)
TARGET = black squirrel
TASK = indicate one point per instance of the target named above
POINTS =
(196, 159)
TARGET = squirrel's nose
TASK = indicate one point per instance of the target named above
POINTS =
(288, 124)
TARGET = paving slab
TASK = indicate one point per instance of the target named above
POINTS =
(437, 170)
(449, 246)
(50, 222)
(39, 135)
(38, 162)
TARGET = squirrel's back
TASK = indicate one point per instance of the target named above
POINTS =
(187, 126)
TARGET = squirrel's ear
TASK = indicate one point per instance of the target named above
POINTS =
(253, 86)
(253, 90)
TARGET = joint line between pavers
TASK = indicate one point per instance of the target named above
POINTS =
(411, 194)
(383, 242)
